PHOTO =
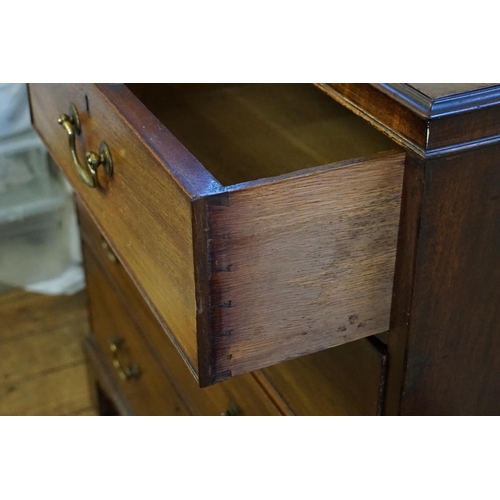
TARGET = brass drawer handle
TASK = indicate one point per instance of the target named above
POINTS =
(88, 173)
(131, 371)
(108, 251)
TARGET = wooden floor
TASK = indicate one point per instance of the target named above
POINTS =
(42, 366)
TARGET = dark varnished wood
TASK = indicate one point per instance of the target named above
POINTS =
(408, 238)
(443, 341)
(444, 337)
(428, 126)
(452, 354)
(402, 118)
(435, 90)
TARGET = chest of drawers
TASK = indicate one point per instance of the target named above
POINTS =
(266, 249)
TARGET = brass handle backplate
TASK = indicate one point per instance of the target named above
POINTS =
(88, 172)
(125, 372)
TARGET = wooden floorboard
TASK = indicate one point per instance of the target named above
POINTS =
(26, 313)
(42, 366)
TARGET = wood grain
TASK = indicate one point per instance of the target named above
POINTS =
(26, 356)
(434, 90)
(244, 391)
(152, 393)
(252, 131)
(405, 122)
(329, 231)
(144, 209)
(26, 314)
(449, 118)
(452, 355)
(303, 263)
(42, 365)
(475, 125)
(406, 266)
(58, 392)
(124, 286)
(345, 380)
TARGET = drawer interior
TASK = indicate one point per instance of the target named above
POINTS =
(245, 132)
(345, 380)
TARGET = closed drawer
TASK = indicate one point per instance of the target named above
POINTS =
(264, 230)
(242, 395)
(239, 396)
(148, 390)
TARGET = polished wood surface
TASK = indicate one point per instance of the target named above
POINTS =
(427, 126)
(303, 263)
(42, 368)
(452, 357)
(443, 335)
(172, 236)
(407, 126)
(143, 210)
(151, 393)
(411, 206)
(434, 90)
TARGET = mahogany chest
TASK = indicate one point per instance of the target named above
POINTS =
(267, 249)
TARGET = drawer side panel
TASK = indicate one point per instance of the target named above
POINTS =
(304, 263)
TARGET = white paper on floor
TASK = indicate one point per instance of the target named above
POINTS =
(69, 282)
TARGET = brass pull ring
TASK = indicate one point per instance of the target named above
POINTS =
(128, 372)
(88, 172)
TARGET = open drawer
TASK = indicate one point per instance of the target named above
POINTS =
(259, 221)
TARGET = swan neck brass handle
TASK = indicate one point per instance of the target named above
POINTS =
(87, 172)
(125, 371)
(108, 251)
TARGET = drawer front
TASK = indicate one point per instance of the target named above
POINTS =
(105, 254)
(250, 275)
(239, 396)
(345, 380)
(147, 388)
(142, 208)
